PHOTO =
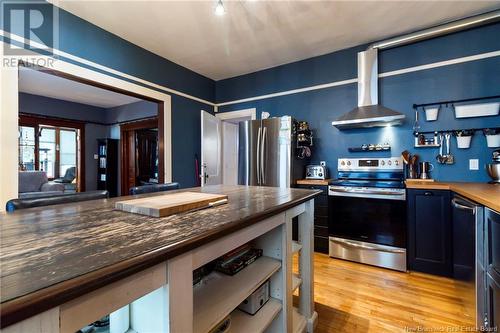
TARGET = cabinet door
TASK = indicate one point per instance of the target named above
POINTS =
(493, 302)
(492, 225)
(429, 231)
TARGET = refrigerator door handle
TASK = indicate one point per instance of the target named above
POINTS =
(258, 156)
(262, 150)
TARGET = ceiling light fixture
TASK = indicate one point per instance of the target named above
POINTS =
(219, 8)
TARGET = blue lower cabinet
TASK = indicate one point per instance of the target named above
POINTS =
(430, 232)
(320, 218)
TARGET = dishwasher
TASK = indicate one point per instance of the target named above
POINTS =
(468, 254)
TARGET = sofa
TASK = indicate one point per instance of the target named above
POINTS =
(35, 184)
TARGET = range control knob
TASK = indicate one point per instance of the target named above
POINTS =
(389, 162)
(348, 162)
(396, 162)
(309, 174)
(320, 174)
(342, 163)
(382, 163)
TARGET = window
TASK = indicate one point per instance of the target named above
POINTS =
(26, 148)
(53, 146)
(67, 150)
(47, 151)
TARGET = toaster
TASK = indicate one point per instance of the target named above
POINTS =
(316, 172)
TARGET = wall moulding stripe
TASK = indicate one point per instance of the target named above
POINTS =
(105, 69)
(455, 61)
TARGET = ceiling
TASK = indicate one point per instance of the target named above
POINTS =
(48, 85)
(255, 35)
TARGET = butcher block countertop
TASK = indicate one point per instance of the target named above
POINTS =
(313, 181)
(483, 193)
(50, 255)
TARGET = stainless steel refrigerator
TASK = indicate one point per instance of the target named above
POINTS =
(267, 153)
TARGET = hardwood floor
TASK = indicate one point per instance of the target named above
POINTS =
(351, 297)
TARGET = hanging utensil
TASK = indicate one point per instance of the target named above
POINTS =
(416, 124)
(450, 159)
(440, 157)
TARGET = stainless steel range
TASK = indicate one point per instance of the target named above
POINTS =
(367, 212)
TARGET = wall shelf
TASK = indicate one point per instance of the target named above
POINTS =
(433, 145)
(219, 294)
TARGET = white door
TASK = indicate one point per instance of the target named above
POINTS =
(211, 149)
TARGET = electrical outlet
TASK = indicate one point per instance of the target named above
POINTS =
(322, 163)
(474, 164)
(96, 157)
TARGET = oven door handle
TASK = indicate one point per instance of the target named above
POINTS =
(365, 247)
(367, 192)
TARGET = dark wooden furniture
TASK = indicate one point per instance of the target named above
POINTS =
(320, 217)
(107, 166)
(16, 204)
(70, 250)
(139, 143)
(154, 188)
(429, 231)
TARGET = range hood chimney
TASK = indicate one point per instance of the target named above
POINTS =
(369, 113)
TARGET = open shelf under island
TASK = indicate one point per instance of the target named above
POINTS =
(69, 265)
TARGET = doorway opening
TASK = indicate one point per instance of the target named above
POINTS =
(140, 157)
(70, 132)
(227, 140)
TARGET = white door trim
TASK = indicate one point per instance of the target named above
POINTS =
(9, 110)
(252, 113)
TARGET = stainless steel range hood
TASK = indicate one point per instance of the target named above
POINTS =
(368, 113)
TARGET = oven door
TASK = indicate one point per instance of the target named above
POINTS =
(375, 216)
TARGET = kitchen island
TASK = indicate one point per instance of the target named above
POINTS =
(65, 266)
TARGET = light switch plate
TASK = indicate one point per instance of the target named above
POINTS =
(96, 156)
(474, 164)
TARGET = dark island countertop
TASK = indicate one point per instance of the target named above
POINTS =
(50, 255)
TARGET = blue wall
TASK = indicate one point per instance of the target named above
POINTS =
(132, 111)
(320, 107)
(83, 39)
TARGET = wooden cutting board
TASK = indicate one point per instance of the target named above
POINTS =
(169, 204)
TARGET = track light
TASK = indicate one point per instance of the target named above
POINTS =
(219, 8)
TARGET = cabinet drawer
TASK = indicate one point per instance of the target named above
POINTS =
(321, 221)
(321, 244)
(321, 211)
(321, 231)
(323, 188)
(321, 201)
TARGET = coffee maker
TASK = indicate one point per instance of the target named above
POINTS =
(425, 169)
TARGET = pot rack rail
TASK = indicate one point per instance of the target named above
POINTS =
(415, 133)
(452, 102)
